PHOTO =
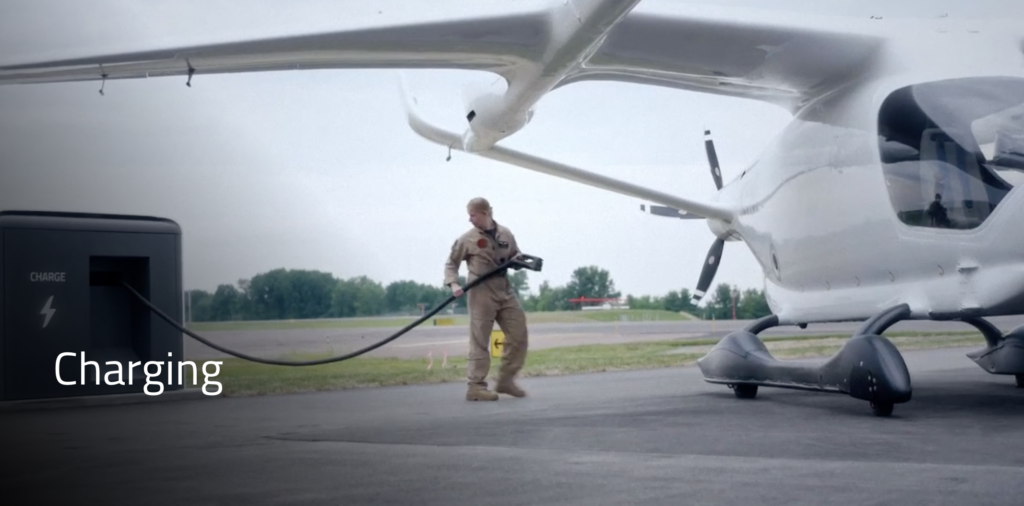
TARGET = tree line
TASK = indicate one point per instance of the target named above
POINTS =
(283, 294)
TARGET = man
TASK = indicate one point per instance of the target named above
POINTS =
(484, 247)
(937, 213)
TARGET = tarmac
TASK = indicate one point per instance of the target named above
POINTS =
(638, 437)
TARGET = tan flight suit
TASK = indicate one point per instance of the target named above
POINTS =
(490, 301)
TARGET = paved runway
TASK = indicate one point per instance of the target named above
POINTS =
(454, 340)
(638, 437)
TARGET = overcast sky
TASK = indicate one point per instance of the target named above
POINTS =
(318, 169)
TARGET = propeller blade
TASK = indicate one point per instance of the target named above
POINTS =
(709, 146)
(669, 212)
(663, 211)
(710, 268)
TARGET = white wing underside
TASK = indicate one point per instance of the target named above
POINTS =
(659, 43)
(786, 62)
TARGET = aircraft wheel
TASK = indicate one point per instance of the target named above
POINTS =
(1020, 380)
(882, 408)
(744, 391)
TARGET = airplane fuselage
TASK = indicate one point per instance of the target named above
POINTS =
(839, 211)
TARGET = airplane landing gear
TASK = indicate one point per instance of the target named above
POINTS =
(881, 408)
(1002, 354)
(868, 367)
(744, 390)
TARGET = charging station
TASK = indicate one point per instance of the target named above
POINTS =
(61, 293)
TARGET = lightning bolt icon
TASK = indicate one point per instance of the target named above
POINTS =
(48, 311)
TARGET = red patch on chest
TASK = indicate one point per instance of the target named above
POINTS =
(481, 243)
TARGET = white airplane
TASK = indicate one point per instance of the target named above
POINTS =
(891, 195)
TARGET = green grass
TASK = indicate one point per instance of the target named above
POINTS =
(903, 341)
(892, 336)
(242, 378)
(459, 320)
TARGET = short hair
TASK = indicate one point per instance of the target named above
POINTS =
(479, 204)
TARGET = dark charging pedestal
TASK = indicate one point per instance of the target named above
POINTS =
(61, 294)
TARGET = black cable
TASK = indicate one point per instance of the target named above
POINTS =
(527, 261)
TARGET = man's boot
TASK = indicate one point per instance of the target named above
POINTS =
(480, 393)
(507, 386)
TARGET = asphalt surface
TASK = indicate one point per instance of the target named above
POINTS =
(420, 341)
(638, 437)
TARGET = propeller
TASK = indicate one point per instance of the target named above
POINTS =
(709, 146)
(716, 174)
(710, 268)
(669, 212)
(714, 257)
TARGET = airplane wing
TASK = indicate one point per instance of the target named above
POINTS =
(785, 59)
(494, 44)
(764, 56)
(782, 59)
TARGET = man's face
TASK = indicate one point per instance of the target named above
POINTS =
(478, 219)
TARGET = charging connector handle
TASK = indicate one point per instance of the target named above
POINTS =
(526, 261)
(529, 262)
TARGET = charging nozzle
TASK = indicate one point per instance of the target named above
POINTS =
(529, 262)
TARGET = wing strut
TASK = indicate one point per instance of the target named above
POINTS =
(452, 140)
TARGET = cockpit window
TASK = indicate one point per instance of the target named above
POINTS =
(951, 150)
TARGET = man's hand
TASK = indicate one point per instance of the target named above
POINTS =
(518, 266)
(456, 290)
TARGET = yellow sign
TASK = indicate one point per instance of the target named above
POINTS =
(497, 343)
(444, 322)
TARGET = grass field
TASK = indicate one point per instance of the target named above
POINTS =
(458, 320)
(241, 378)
